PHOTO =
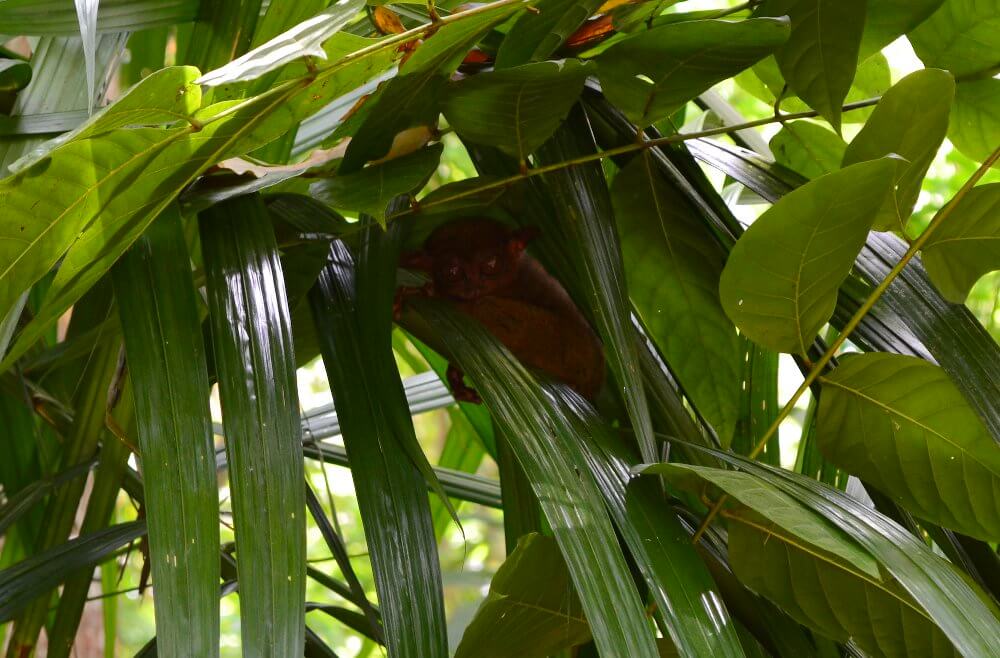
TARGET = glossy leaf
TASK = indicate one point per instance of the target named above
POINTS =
(688, 604)
(821, 55)
(159, 316)
(975, 120)
(21, 583)
(555, 467)
(251, 336)
(780, 283)
(967, 246)
(15, 74)
(899, 423)
(531, 609)
(304, 40)
(58, 17)
(370, 190)
(813, 571)
(515, 109)
(411, 97)
(910, 120)
(652, 73)
(536, 35)
(673, 269)
(132, 163)
(962, 36)
(390, 487)
(584, 215)
(808, 148)
(886, 20)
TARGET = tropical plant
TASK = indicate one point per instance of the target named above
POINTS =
(216, 194)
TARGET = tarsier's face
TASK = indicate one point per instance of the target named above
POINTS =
(472, 258)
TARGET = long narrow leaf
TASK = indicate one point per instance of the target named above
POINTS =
(390, 488)
(551, 458)
(159, 317)
(251, 335)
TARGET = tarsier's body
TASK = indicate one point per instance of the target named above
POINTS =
(482, 268)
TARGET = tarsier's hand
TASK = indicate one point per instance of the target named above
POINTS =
(459, 390)
(426, 290)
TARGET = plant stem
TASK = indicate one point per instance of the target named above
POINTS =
(855, 320)
(627, 148)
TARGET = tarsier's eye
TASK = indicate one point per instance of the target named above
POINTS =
(491, 265)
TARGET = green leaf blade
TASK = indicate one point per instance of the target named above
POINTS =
(673, 270)
(821, 55)
(654, 72)
(163, 342)
(962, 36)
(808, 148)
(967, 246)
(251, 331)
(521, 618)
(780, 282)
(899, 423)
(515, 109)
(911, 121)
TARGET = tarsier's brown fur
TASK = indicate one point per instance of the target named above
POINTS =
(481, 267)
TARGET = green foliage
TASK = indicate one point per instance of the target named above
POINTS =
(899, 423)
(685, 184)
(780, 282)
(650, 75)
(519, 618)
(968, 246)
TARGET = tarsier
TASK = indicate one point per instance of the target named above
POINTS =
(481, 267)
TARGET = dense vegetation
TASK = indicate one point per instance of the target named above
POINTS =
(774, 214)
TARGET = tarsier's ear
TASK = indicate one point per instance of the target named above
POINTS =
(520, 238)
(417, 260)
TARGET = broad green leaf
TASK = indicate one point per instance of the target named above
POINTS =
(910, 320)
(821, 55)
(758, 404)
(163, 341)
(967, 246)
(515, 109)
(871, 80)
(304, 40)
(222, 31)
(390, 487)
(910, 120)
(962, 36)
(15, 74)
(163, 97)
(773, 508)
(370, 190)
(558, 472)
(780, 282)
(584, 216)
(673, 267)
(531, 610)
(127, 166)
(20, 584)
(899, 423)
(974, 128)
(830, 596)
(652, 73)
(251, 336)
(966, 615)
(58, 17)
(808, 148)
(536, 35)
(886, 20)
(410, 99)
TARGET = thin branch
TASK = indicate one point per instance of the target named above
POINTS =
(855, 320)
(620, 150)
